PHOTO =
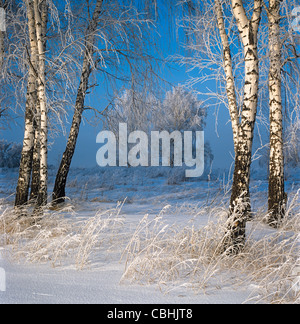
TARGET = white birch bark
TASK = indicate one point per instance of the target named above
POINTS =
(228, 68)
(35, 175)
(31, 101)
(277, 196)
(41, 14)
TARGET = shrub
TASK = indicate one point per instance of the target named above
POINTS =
(10, 154)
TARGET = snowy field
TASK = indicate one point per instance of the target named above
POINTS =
(145, 237)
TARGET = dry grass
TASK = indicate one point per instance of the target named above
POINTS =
(190, 256)
(171, 256)
(59, 237)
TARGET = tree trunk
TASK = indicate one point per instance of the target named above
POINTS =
(35, 178)
(62, 174)
(26, 157)
(277, 195)
(228, 68)
(29, 134)
(41, 15)
(240, 198)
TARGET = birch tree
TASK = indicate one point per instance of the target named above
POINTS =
(36, 120)
(113, 40)
(49, 77)
(240, 197)
(277, 195)
(41, 19)
(283, 95)
(224, 40)
(61, 178)
(30, 112)
(229, 74)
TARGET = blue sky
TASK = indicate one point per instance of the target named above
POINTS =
(85, 155)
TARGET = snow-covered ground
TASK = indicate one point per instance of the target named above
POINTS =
(43, 284)
(99, 277)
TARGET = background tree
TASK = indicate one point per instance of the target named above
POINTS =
(177, 110)
(10, 154)
(135, 108)
(181, 110)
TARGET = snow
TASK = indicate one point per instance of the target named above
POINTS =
(147, 192)
(41, 284)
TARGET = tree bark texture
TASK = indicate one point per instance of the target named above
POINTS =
(35, 178)
(277, 195)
